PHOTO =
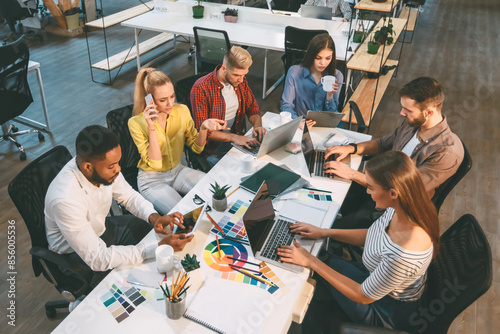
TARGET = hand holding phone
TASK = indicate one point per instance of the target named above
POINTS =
(149, 98)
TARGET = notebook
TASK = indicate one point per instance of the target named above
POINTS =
(225, 307)
(278, 179)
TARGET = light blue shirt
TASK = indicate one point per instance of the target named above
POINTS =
(301, 93)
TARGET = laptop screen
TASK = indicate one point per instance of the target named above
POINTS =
(307, 143)
(259, 218)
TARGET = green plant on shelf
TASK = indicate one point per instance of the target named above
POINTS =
(230, 12)
(380, 37)
(218, 191)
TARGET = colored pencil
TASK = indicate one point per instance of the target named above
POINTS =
(241, 241)
(164, 292)
(232, 192)
(218, 246)
(184, 290)
(232, 258)
(215, 224)
(254, 271)
(323, 191)
(246, 273)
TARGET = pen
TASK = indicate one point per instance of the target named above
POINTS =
(241, 241)
(215, 224)
(313, 189)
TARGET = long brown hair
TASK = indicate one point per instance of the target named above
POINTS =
(146, 81)
(316, 45)
(395, 170)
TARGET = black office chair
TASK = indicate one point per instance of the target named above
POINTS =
(296, 42)
(444, 189)
(15, 94)
(211, 47)
(182, 93)
(354, 109)
(27, 190)
(117, 121)
(12, 12)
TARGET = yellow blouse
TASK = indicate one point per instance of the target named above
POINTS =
(180, 129)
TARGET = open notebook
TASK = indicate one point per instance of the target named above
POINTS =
(228, 307)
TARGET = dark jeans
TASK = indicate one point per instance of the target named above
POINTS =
(358, 209)
(120, 231)
(330, 307)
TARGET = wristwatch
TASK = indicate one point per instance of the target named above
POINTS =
(355, 148)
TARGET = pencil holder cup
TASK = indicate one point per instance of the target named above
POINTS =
(175, 309)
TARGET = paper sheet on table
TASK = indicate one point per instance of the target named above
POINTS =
(312, 212)
(144, 278)
(339, 138)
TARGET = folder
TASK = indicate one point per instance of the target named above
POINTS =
(277, 178)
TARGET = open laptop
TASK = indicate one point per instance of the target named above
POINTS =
(266, 232)
(273, 139)
(315, 159)
(326, 119)
(316, 12)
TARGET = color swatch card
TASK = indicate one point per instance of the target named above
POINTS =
(221, 262)
(121, 302)
(270, 275)
(314, 194)
(232, 222)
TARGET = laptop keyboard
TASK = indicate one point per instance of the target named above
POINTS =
(280, 235)
(319, 170)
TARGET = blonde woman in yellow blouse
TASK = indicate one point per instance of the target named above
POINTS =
(160, 131)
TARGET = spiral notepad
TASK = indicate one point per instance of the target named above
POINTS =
(225, 307)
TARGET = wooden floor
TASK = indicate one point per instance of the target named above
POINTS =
(456, 41)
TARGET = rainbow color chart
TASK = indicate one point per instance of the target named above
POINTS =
(121, 302)
(232, 222)
(221, 264)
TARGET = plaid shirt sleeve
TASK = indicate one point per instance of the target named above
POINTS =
(250, 104)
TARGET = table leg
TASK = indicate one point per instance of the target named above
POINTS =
(136, 36)
(264, 84)
(42, 95)
(347, 83)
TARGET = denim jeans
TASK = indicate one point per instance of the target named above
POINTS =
(164, 189)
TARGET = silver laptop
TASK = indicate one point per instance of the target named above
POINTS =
(325, 119)
(315, 159)
(273, 139)
(266, 232)
(316, 12)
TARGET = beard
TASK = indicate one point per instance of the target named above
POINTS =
(417, 122)
(96, 178)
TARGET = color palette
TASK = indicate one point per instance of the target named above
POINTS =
(232, 222)
(317, 195)
(221, 265)
(122, 302)
(270, 275)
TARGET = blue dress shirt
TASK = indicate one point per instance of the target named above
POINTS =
(301, 93)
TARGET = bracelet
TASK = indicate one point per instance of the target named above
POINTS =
(355, 148)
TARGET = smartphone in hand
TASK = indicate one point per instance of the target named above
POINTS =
(149, 97)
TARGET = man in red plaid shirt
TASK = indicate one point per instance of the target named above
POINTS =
(224, 94)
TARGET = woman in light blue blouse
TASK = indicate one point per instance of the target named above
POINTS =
(303, 87)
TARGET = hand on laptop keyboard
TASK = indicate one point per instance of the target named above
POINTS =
(248, 142)
(340, 169)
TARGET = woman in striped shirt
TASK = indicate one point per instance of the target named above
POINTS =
(385, 288)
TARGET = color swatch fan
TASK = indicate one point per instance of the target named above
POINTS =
(232, 222)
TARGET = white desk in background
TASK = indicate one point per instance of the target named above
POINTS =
(256, 27)
(33, 66)
(91, 316)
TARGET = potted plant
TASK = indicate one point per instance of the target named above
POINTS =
(198, 10)
(380, 37)
(360, 31)
(219, 199)
(230, 15)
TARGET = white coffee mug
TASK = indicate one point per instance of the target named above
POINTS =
(165, 258)
(247, 164)
(286, 117)
(328, 81)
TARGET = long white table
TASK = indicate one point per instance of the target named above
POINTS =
(256, 27)
(91, 316)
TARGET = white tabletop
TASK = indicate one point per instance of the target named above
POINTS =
(91, 316)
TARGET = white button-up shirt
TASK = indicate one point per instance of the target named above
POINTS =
(75, 214)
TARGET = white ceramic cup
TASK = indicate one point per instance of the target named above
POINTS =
(165, 258)
(247, 164)
(286, 117)
(328, 81)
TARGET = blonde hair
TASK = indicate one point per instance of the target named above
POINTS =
(238, 58)
(145, 83)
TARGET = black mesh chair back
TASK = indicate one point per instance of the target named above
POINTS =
(15, 94)
(460, 274)
(354, 109)
(182, 94)
(444, 189)
(296, 42)
(117, 121)
(211, 47)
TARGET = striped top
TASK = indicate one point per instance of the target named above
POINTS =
(394, 271)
